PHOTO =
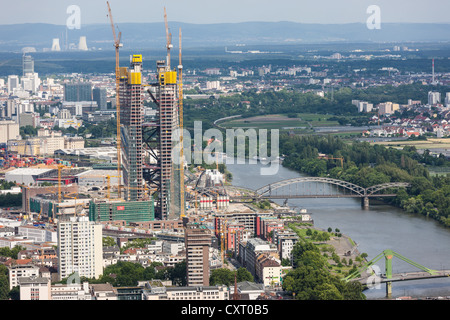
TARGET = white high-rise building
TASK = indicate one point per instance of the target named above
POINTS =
(31, 82)
(434, 98)
(80, 248)
(9, 130)
(13, 82)
(447, 100)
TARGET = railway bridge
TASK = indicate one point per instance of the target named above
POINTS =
(321, 187)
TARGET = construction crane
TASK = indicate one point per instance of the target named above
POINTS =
(108, 181)
(180, 111)
(333, 158)
(168, 39)
(75, 198)
(60, 166)
(223, 238)
(117, 45)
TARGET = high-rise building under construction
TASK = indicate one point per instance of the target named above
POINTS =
(131, 120)
(167, 95)
(165, 176)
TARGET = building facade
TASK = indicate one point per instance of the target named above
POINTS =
(79, 91)
(21, 271)
(35, 288)
(131, 120)
(197, 241)
(99, 95)
(79, 248)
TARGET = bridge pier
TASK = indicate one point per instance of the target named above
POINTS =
(365, 202)
(389, 289)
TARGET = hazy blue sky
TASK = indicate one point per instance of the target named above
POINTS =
(214, 11)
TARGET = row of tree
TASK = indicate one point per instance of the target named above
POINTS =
(367, 165)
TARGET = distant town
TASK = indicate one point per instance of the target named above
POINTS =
(93, 207)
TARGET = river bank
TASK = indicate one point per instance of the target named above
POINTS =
(381, 227)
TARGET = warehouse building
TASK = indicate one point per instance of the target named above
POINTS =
(28, 176)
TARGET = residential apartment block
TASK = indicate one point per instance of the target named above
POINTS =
(197, 241)
(80, 247)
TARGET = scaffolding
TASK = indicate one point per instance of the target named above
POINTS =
(129, 211)
(131, 115)
(167, 96)
(166, 175)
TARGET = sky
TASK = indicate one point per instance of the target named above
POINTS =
(224, 11)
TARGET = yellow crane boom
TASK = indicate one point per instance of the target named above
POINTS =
(117, 45)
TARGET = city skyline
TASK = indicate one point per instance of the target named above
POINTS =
(202, 12)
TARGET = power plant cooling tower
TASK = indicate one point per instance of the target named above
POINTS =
(55, 45)
(82, 44)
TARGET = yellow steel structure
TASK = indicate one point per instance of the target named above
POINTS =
(60, 166)
(136, 58)
(333, 158)
(117, 45)
(223, 238)
(134, 77)
(168, 77)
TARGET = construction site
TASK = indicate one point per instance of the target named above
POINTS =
(147, 183)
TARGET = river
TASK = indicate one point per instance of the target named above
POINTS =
(381, 227)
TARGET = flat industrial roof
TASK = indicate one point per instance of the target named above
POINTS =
(29, 171)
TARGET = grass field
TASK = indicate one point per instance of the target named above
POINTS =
(278, 121)
(431, 143)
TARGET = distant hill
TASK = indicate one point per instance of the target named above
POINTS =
(152, 35)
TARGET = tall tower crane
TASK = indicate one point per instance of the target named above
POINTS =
(117, 45)
(180, 111)
(60, 166)
(169, 39)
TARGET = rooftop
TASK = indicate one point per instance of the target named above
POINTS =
(33, 280)
(29, 171)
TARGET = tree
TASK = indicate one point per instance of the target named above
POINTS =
(14, 294)
(109, 242)
(285, 262)
(221, 276)
(4, 282)
(178, 273)
(243, 274)
(328, 291)
(4, 287)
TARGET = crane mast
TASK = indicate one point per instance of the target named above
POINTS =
(180, 110)
(117, 45)
(168, 39)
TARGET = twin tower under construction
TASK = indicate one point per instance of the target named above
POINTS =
(149, 172)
